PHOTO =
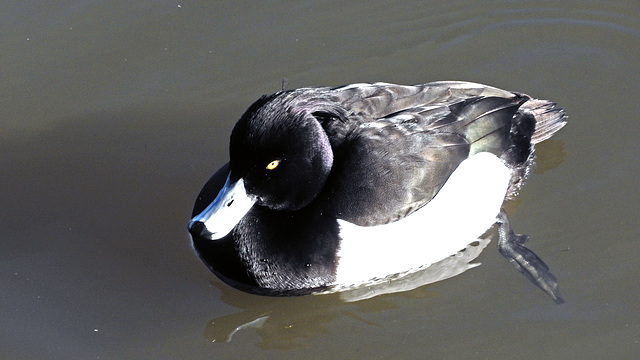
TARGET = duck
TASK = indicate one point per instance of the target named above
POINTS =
(330, 189)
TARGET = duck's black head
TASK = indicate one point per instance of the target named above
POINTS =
(280, 159)
(280, 150)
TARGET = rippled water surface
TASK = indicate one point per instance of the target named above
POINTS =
(113, 114)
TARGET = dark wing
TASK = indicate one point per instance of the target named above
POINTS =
(390, 168)
(392, 165)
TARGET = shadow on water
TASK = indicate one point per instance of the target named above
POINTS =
(285, 323)
(549, 155)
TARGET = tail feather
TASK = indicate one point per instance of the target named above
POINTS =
(536, 121)
(549, 118)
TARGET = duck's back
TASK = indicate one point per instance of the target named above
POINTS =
(402, 143)
(378, 100)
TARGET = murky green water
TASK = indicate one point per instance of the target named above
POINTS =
(113, 114)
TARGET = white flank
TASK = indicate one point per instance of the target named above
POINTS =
(462, 211)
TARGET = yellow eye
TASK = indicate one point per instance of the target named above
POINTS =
(274, 164)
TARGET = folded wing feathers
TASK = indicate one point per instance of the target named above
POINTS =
(416, 104)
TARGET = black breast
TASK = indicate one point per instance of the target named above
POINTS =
(288, 252)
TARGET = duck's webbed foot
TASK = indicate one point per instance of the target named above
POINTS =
(510, 245)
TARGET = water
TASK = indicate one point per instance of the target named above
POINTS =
(113, 114)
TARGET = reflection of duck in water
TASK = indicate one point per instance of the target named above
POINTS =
(336, 189)
(286, 323)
